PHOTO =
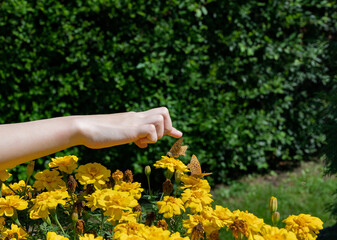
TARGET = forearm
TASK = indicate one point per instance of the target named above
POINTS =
(22, 142)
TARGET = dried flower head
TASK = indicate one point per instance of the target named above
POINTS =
(80, 226)
(197, 232)
(71, 184)
(162, 224)
(128, 176)
(167, 187)
(150, 217)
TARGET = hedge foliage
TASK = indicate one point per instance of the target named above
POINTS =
(242, 79)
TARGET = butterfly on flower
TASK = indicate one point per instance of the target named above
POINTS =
(177, 149)
(195, 168)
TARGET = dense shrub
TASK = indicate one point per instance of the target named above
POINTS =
(241, 78)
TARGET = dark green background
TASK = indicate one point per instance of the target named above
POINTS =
(244, 80)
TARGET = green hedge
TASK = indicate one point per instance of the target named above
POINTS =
(242, 79)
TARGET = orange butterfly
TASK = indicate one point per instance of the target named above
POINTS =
(177, 149)
(195, 168)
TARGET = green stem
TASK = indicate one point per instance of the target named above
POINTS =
(148, 182)
(16, 219)
(58, 223)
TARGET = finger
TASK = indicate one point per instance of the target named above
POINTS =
(164, 113)
(158, 121)
(175, 133)
(149, 134)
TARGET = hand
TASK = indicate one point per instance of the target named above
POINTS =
(142, 128)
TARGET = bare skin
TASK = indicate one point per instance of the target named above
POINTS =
(22, 142)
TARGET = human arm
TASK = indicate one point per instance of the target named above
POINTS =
(22, 142)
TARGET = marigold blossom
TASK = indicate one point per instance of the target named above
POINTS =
(15, 230)
(18, 187)
(176, 236)
(115, 203)
(129, 231)
(47, 201)
(49, 179)
(4, 175)
(9, 204)
(196, 200)
(170, 206)
(271, 233)
(133, 188)
(93, 173)
(171, 164)
(305, 226)
(54, 236)
(65, 164)
(245, 223)
(90, 237)
(194, 183)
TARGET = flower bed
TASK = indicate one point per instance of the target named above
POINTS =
(68, 201)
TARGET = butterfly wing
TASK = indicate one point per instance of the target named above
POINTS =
(177, 149)
(195, 168)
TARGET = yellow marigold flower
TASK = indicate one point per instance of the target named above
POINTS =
(196, 200)
(48, 201)
(216, 218)
(65, 164)
(126, 217)
(11, 203)
(155, 233)
(49, 179)
(305, 226)
(193, 221)
(54, 236)
(93, 173)
(195, 183)
(271, 233)
(170, 206)
(176, 236)
(15, 230)
(133, 189)
(171, 164)
(90, 237)
(4, 175)
(115, 203)
(18, 187)
(92, 199)
(245, 223)
(2, 224)
(129, 231)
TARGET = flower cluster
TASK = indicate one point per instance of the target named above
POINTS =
(88, 202)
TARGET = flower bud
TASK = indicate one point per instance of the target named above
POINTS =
(147, 170)
(177, 176)
(169, 174)
(74, 216)
(47, 220)
(275, 218)
(273, 204)
(30, 168)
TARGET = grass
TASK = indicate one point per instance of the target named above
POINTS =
(303, 190)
